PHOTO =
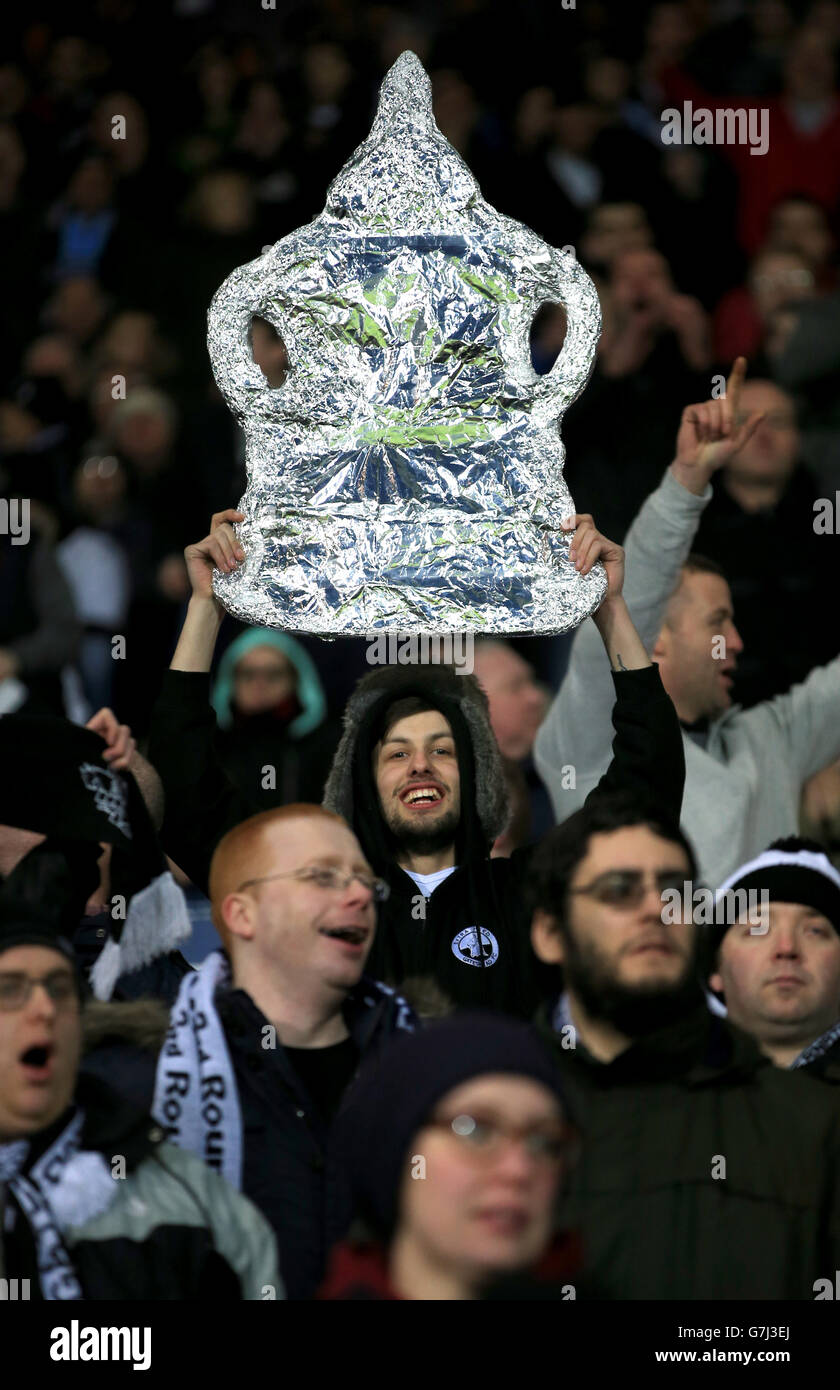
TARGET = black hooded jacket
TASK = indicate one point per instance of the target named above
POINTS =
(472, 935)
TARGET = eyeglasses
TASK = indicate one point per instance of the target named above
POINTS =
(626, 888)
(331, 880)
(16, 989)
(260, 673)
(482, 1138)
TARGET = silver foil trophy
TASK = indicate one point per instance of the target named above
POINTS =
(408, 474)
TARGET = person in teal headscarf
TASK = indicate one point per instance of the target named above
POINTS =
(271, 712)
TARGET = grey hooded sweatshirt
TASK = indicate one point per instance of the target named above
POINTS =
(742, 789)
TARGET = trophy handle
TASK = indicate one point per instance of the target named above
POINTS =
(568, 284)
(229, 317)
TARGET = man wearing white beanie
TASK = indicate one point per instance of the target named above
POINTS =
(778, 964)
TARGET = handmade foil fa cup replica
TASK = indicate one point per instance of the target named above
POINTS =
(408, 474)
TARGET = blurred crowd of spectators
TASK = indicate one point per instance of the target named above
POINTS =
(148, 149)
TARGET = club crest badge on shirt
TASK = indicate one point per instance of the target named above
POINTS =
(476, 946)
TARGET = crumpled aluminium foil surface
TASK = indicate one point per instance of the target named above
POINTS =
(407, 476)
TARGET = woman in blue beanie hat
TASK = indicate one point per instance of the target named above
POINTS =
(456, 1142)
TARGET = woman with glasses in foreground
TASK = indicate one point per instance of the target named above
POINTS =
(456, 1143)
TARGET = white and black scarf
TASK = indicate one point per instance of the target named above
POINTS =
(67, 1186)
(196, 1096)
(158, 921)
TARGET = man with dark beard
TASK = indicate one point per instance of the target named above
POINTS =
(418, 777)
(706, 1172)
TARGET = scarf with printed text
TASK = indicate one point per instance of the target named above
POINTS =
(66, 1187)
(196, 1096)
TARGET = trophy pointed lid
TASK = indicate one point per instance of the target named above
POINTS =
(405, 175)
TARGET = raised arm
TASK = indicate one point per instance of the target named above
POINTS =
(201, 801)
(578, 728)
(647, 750)
(808, 718)
(220, 550)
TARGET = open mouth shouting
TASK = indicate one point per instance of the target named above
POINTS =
(352, 939)
(37, 1061)
(422, 796)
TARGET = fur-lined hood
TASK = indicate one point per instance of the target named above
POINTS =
(143, 1023)
(140, 1022)
(448, 691)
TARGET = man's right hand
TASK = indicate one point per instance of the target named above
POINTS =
(709, 436)
(588, 545)
(220, 550)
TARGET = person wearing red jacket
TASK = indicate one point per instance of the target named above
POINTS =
(803, 135)
(456, 1143)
